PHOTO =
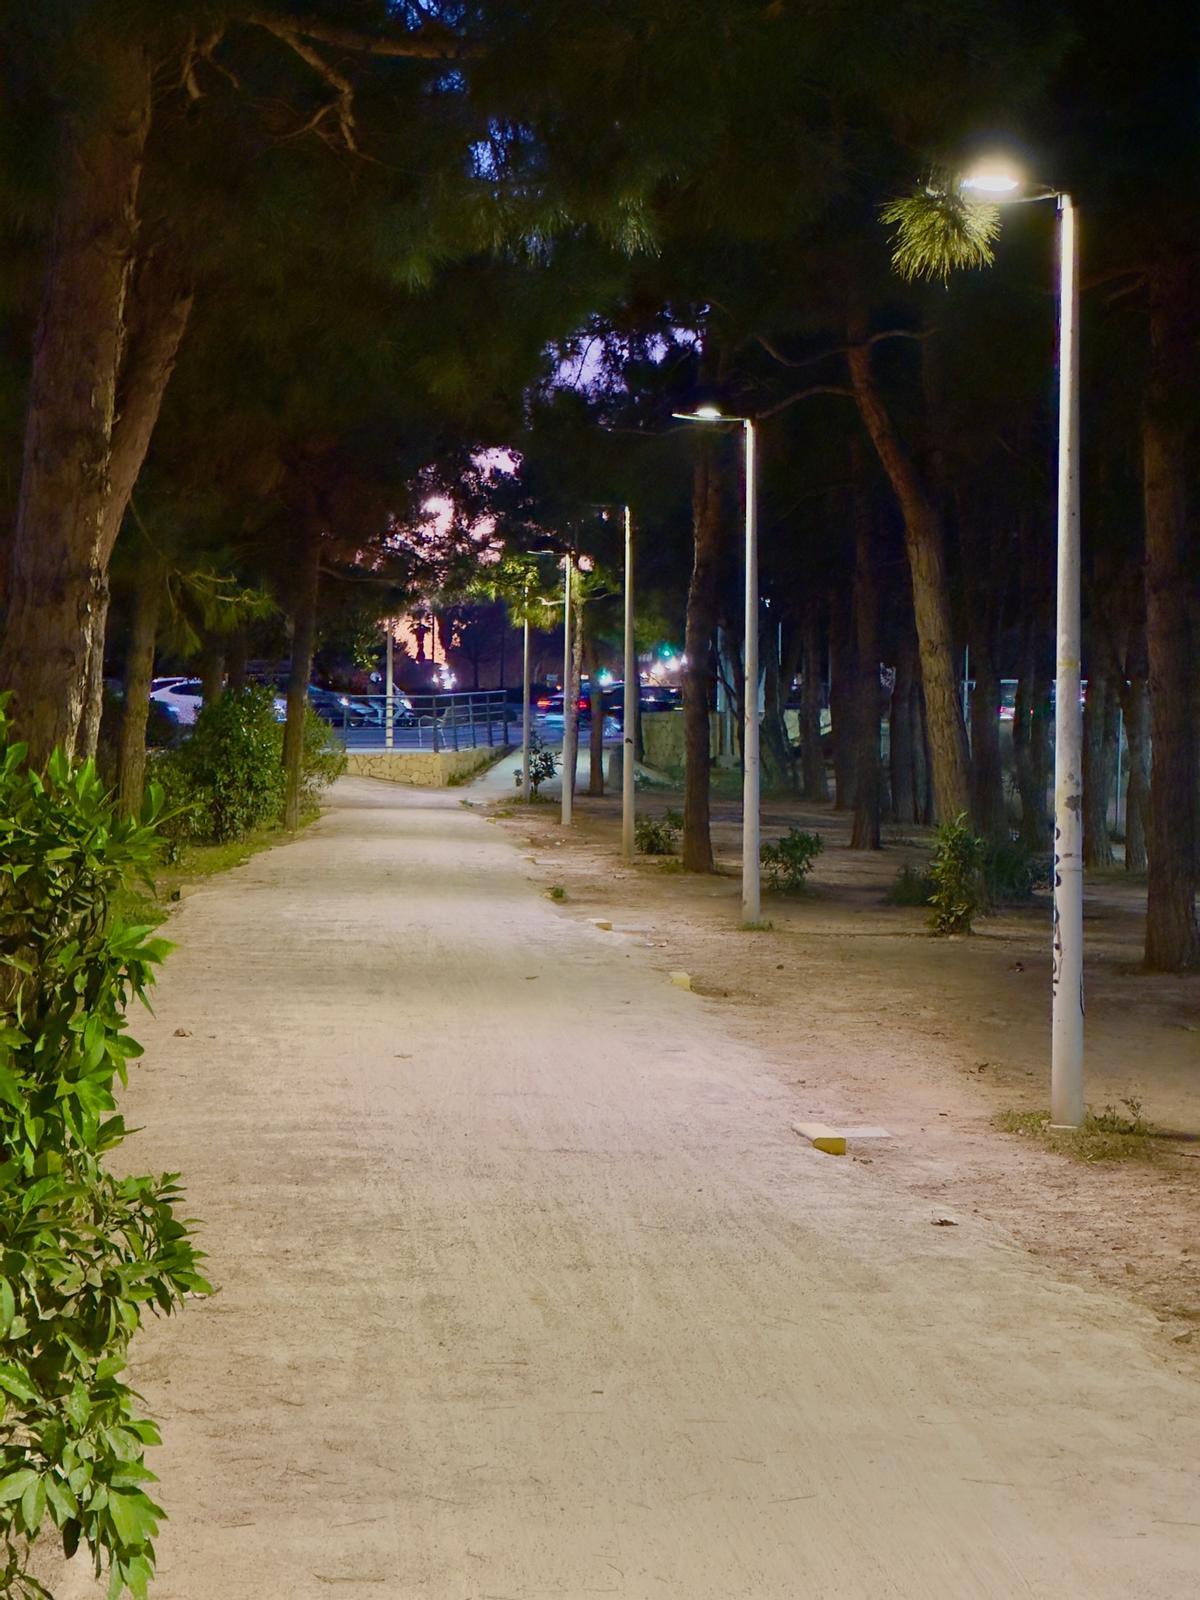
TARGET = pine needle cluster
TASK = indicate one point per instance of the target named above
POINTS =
(938, 230)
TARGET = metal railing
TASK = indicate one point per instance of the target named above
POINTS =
(436, 722)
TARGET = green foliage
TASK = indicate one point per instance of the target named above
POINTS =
(226, 779)
(658, 836)
(939, 231)
(322, 760)
(1012, 872)
(910, 888)
(1107, 1135)
(790, 860)
(542, 765)
(84, 1254)
(959, 879)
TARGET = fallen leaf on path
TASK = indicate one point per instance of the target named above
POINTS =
(183, 1033)
(943, 1222)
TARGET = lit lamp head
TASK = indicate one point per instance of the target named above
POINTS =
(993, 182)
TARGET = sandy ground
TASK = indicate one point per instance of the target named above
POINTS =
(528, 1289)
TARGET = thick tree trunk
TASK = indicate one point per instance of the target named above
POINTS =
(812, 757)
(1172, 936)
(88, 738)
(901, 736)
(304, 638)
(701, 625)
(139, 670)
(923, 765)
(1099, 750)
(949, 756)
(843, 693)
(212, 670)
(868, 776)
(1136, 707)
(58, 556)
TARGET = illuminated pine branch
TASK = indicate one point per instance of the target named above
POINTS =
(938, 231)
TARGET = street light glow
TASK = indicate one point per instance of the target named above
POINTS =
(705, 413)
(991, 180)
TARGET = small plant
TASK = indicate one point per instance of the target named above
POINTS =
(959, 883)
(657, 836)
(543, 764)
(910, 888)
(790, 860)
(556, 892)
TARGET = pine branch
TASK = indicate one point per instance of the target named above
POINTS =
(938, 231)
(429, 44)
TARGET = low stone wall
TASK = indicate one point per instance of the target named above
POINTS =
(420, 768)
(663, 740)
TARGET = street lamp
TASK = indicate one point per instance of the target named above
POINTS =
(751, 892)
(630, 694)
(526, 711)
(1000, 184)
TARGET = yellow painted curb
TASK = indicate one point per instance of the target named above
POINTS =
(821, 1137)
(681, 980)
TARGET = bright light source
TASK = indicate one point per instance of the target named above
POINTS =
(991, 180)
(709, 413)
(604, 677)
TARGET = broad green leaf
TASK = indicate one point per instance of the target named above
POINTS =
(16, 1483)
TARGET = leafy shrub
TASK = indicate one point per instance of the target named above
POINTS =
(542, 765)
(83, 1253)
(657, 836)
(910, 888)
(959, 879)
(226, 778)
(1012, 872)
(790, 860)
(322, 760)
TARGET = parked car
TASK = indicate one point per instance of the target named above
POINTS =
(180, 698)
(339, 710)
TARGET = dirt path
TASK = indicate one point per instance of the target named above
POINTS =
(527, 1288)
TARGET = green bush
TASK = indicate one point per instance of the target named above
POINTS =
(84, 1254)
(910, 888)
(790, 860)
(957, 869)
(226, 778)
(322, 760)
(657, 836)
(1012, 872)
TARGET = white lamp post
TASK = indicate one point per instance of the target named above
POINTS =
(629, 718)
(1000, 184)
(569, 723)
(751, 890)
(389, 688)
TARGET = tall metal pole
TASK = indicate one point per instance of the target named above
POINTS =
(526, 717)
(1066, 1048)
(751, 901)
(629, 719)
(389, 686)
(568, 753)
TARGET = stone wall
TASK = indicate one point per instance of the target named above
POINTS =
(420, 768)
(663, 741)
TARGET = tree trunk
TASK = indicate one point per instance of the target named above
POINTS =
(139, 670)
(779, 770)
(212, 670)
(1135, 705)
(987, 775)
(864, 832)
(596, 711)
(88, 738)
(923, 767)
(1172, 936)
(949, 756)
(812, 757)
(58, 555)
(701, 625)
(901, 753)
(1099, 740)
(304, 638)
(237, 660)
(843, 685)
(1029, 743)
